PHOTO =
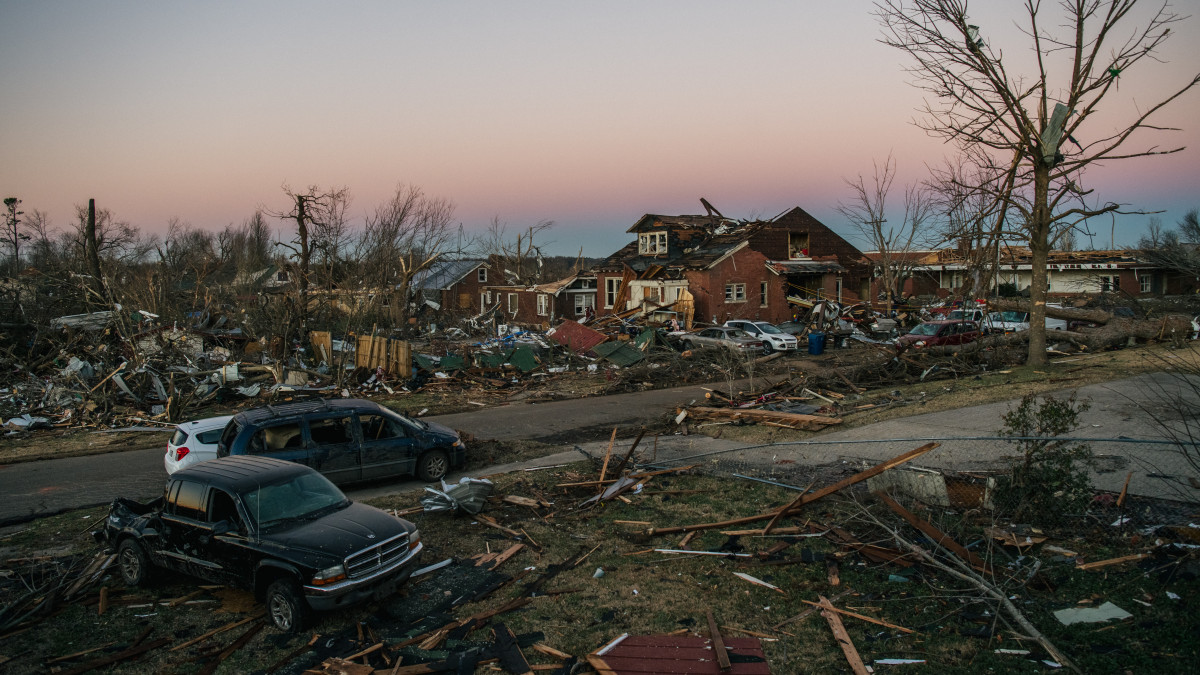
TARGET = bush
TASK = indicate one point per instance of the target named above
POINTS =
(1050, 478)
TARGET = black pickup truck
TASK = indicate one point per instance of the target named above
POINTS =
(274, 527)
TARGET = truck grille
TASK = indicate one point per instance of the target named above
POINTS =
(378, 556)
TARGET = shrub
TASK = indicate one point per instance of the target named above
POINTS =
(1050, 477)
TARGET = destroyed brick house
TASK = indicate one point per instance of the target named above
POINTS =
(943, 272)
(544, 304)
(711, 268)
(456, 286)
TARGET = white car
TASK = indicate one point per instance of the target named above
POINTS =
(773, 339)
(194, 442)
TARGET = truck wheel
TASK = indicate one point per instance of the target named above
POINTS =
(432, 466)
(286, 607)
(133, 563)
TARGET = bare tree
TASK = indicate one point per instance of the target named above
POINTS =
(406, 234)
(1024, 122)
(1176, 250)
(310, 211)
(520, 254)
(972, 209)
(14, 233)
(247, 247)
(894, 244)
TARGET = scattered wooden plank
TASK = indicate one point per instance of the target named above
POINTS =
(72, 657)
(808, 612)
(211, 667)
(1124, 491)
(937, 536)
(1112, 561)
(718, 643)
(859, 616)
(229, 626)
(842, 637)
(550, 651)
(608, 454)
(792, 420)
(807, 498)
(125, 655)
(291, 656)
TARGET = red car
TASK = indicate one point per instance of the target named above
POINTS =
(939, 334)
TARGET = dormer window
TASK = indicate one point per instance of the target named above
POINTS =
(652, 243)
(798, 245)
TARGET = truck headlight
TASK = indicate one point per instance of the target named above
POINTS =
(329, 575)
(414, 538)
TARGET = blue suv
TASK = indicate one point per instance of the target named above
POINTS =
(347, 440)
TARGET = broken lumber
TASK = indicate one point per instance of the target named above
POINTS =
(807, 498)
(718, 644)
(792, 420)
(863, 617)
(1112, 561)
(935, 535)
(842, 637)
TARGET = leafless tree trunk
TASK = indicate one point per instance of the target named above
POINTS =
(520, 254)
(91, 249)
(311, 212)
(405, 235)
(895, 245)
(1027, 121)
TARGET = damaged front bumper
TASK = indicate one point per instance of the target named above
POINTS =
(378, 584)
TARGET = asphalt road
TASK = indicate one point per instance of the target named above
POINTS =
(1118, 411)
(35, 489)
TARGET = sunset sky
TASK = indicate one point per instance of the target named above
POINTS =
(587, 114)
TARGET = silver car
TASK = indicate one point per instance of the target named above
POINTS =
(772, 338)
(735, 340)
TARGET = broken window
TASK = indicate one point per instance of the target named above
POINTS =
(762, 291)
(331, 431)
(482, 275)
(652, 243)
(1110, 284)
(797, 245)
(378, 427)
(612, 286)
(513, 303)
(735, 292)
(582, 302)
(543, 304)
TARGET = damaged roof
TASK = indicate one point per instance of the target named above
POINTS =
(443, 274)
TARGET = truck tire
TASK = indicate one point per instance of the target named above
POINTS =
(286, 608)
(432, 466)
(133, 563)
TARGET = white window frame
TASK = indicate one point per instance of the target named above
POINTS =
(583, 301)
(735, 292)
(543, 304)
(1110, 284)
(1146, 283)
(762, 290)
(652, 243)
(481, 275)
(514, 303)
(612, 288)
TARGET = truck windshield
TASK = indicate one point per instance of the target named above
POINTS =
(304, 497)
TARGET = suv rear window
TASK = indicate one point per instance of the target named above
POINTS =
(209, 437)
(180, 437)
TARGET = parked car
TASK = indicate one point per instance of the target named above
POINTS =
(194, 442)
(977, 315)
(347, 440)
(273, 527)
(945, 333)
(772, 338)
(736, 340)
(1007, 322)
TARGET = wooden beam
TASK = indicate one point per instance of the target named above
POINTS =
(718, 643)
(842, 637)
(807, 498)
(902, 629)
(937, 536)
(608, 454)
(1112, 561)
